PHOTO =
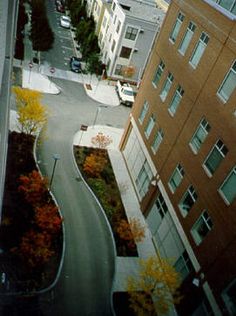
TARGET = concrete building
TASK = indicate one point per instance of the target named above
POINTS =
(179, 147)
(127, 32)
(8, 19)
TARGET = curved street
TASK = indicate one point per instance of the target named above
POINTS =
(84, 287)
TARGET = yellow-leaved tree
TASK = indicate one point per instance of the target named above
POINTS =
(154, 291)
(32, 115)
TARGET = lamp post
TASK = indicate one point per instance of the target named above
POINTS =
(97, 111)
(30, 67)
(56, 157)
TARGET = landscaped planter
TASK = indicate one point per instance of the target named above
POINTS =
(105, 187)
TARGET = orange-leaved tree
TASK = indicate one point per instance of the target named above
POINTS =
(32, 115)
(47, 218)
(155, 290)
(101, 140)
(132, 230)
(34, 188)
(94, 164)
(35, 248)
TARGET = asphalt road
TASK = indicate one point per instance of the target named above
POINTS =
(84, 287)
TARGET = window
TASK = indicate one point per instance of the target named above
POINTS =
(144, 178)
(228, 188)
(118, 70)
(113, 45)
(166, 87)
(187, 201)
(200, 135)
(125, 52)
(176, 178)
(118, 27)
(229, 5)
(104, 22)
(229, 84)
(161, 206)
(158, 73)
(187, 38)
(229, 297)
(201, 228)
(184, 265)
(157, 140)
(114, 21)
(113, 6)
(176, 100)
(131, 33)
(143, 112)
(176, 28)
(215, 157)
(150, 126)
(199, 50)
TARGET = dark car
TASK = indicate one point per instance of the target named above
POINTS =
(60, 7)
(75, 64)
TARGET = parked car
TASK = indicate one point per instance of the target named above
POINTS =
(125, 93)
(60, 7)
(65, 21)
(75, 64)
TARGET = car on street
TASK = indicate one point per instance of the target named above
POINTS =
(65, 21)
(75, 64)
(60, 7)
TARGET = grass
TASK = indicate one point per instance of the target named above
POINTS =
(106, 189)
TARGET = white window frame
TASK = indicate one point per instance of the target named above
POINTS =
(157, 140)
(118, 26)
(174, 104)
(222, 150)
(166, 87)
(199, 50)
(158, 74)
(132, 31)
(222, 193)
(193, 195)
(143, 112)
(176, 28)
(187, 38)
(231, 8)
(176, 178)
(143, 179)
(150, 125)
(221, 93)
(203, 128)
(203, 219)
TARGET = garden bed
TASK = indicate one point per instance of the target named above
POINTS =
(18, 219)
(104, 186)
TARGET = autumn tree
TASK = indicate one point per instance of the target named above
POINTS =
(94, 164)
(34, 188)
(155, 290)
(132, 230)
(101, 140)
(35, 248)
(47, 218)
(32, 115)
(128, 71)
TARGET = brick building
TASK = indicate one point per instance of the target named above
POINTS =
(180, 149)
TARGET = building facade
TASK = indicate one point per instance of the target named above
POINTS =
(126, 35)
(179, 148)
(8, 19)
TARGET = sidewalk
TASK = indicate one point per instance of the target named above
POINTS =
(125, 266)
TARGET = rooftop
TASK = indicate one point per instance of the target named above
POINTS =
(147, 11)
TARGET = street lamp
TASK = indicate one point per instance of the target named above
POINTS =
(96, 114)
(56, 157)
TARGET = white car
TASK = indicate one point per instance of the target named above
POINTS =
(65, 21)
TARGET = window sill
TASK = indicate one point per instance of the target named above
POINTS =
(208, 173)
(193, 149)
(154, 85)
(223, 197)
(171, 113)
(221, 98)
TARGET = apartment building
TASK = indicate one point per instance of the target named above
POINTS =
(179, 148)
(127, 32)
(8, 18)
